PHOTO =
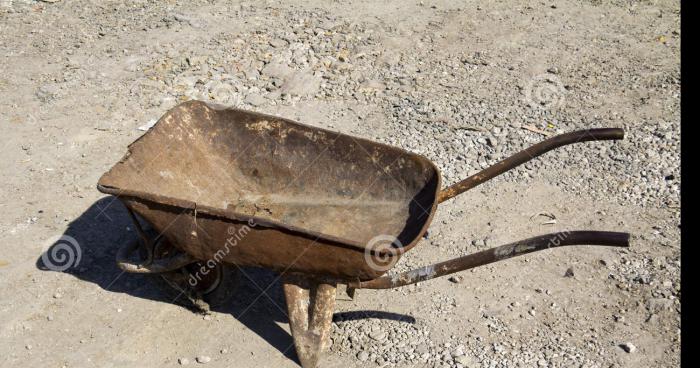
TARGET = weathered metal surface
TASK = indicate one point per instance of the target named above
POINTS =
(310, 305)
(518, 248)
(233, 186)
(306, 199)
(527, 155)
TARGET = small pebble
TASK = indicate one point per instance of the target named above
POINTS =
(378, 335)
(277, 42)
(183, 361)
(203, 359)
(464, 360)
(628, 347)
(569, 272)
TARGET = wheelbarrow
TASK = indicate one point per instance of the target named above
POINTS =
(222, 187)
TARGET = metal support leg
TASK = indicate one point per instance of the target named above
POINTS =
(310, 305)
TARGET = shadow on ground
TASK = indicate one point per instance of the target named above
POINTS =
(258, 302)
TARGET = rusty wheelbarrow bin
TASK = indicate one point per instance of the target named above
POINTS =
(222, 186)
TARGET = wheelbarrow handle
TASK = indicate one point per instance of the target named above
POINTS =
(530, 245)
(528, 154)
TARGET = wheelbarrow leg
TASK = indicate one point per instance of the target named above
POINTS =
(310, 305)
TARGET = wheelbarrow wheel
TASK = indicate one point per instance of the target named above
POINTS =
(201, 285)
(204, 286)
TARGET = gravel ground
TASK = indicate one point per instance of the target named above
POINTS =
(463, 83)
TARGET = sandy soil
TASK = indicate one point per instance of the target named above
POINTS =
(449, 80)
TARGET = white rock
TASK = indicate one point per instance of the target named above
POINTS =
(628, 347)
(203, 359)
(148, 125)
(464, 360)
(378, 335)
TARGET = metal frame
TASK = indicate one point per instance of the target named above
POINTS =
(311, 298)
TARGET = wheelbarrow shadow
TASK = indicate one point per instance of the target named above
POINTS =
(87, 251)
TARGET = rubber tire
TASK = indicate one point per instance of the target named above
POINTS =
(209, 292)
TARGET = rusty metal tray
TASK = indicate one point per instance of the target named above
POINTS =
(222, 186)
(203, 172)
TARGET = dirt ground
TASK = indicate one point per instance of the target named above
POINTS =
(463, 83)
